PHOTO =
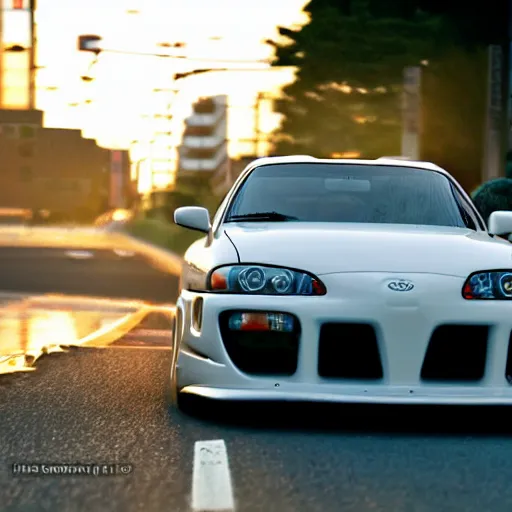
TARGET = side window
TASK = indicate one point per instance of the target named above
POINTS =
(466, 211)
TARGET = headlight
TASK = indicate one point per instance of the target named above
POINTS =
(490, 285)
(262, 280)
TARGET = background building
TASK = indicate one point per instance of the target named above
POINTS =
(203, 154)
(48, 168)
(54, 169)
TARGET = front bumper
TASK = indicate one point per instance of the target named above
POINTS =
(403, 323)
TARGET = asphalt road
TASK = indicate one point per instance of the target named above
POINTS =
(31, 271)
(107, 406)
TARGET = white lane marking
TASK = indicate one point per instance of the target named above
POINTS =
(211, 480)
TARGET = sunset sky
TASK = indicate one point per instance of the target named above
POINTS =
(121, 96)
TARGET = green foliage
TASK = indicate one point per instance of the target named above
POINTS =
(365, 44)
(163, 234)
(493, 196)
(154, 231)
(156, 226)
(473, 24)
(508, 165)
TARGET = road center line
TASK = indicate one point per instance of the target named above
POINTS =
(211, 479)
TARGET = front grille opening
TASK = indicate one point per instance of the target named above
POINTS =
(261, 352)
(349, 351)
(508, 368)
(197, 313)
(456, 353)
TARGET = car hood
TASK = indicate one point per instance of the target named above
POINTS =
(324, 248)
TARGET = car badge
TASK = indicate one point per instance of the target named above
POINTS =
(401, 285)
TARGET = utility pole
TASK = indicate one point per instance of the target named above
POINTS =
(411, 112)
(257, 118)
(259, 136)
(169, 149)
(492, 163)
(1, 55)
(32, 61)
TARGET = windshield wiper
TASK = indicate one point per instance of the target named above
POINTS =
(261, 216)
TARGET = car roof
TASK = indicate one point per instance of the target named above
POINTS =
(384, 161)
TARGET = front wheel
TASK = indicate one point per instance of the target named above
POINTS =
(171, 386)
(186, 403)
(177, 401)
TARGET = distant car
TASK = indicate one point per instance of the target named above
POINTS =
(114, 220)
(15, 216)
(370, 281)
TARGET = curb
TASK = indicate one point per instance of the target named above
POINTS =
(154, 252)
(112, 332)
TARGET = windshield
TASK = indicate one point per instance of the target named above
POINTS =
(321, 192)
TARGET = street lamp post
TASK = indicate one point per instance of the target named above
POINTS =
(168, 117)
(92, 43)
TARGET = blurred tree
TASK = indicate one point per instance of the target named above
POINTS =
(472, 24)
(508, 165)
(492, 196)
(351, 57)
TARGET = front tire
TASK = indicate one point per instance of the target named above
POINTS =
(171, 386)
(188, 404)
(176, 400)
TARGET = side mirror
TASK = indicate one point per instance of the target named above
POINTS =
(500, 223)
(193, 217)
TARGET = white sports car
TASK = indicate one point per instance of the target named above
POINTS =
(371, 281)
